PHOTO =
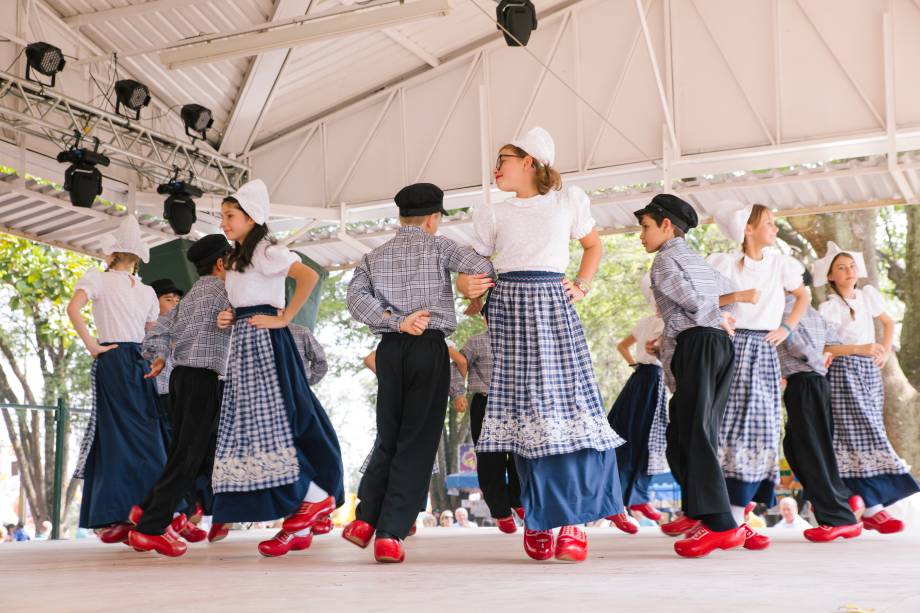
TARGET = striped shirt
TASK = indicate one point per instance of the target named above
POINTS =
(409, 273)
(312, 353)
(803, 351)
(687, 291)
(478, 355)
(190, 330)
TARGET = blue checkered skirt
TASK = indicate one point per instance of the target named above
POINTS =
(750, 432)
(657, 441)
(543, 397)
(274, 437)
(857, 399)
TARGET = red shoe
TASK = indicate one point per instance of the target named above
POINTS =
(507, 525)
(621, 521)
(538, 544)
(857, 505)
(218, 532)
(358, 532)
(826, 534)
(883, 522)
(284, 542)
(754, 540)
(412, 531)
(323, 525)
(646, 509)
(116, 533)
(192, 533)
(195, 518)
(135, 515)
(519, 511)
(703, 541)
(307, 514)
(748, 508)
(681, 525)
(168, 544)
(572, 545)
(388, 550)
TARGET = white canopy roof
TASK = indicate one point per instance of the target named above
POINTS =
(804, 105)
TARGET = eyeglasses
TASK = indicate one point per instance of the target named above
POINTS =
(501, 159)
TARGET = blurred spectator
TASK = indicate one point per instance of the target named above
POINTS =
(428, 521)
(447, 519)
(43, 532)
(463, 519)
(791, 520)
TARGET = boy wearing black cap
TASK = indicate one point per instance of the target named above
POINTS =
(698, 359)
(402, 290)
(168, 295)
(200, 350)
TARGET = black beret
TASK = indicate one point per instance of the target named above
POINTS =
(420, 199)
(165, 286)
(676, 209)
(208, 249)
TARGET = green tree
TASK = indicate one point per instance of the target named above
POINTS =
(36, 282)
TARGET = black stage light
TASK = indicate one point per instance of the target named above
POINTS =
(197, 119)
(519, 17)
(82, 180)
(45, 59)
(132, 95)
(179, 208)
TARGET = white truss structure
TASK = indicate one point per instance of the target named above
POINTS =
(804, 105)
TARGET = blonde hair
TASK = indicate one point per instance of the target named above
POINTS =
(548, 178)
(758, 212)
(120, 256)
(416, 221)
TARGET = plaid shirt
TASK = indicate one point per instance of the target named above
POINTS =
(314, 357)
(478, 355)
(687, 291)
(457, 385)
(190, 330)
(411, 272)
(803, 351)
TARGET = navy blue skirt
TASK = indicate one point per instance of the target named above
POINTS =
(128, 452)
(883, 489)
(631, 417)
(570, 488)
(317, 446)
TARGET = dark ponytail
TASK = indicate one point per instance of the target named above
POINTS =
(241, 257)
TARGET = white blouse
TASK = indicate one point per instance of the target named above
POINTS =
(122, 305)
(532, 233)
(867, 305)
(263, 281)
(773, 275)
(647, 329)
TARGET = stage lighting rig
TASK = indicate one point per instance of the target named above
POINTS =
(517, 17)
(179, 208)
(132, 95)
(82, 180)
(45, 59)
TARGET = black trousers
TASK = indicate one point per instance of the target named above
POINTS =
(703, 363)
(413, 377)
(195, 394)
(809, 447)
(500, 494)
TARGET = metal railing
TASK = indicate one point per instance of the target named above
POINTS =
(61, 417)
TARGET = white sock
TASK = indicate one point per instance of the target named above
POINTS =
(870, 511)
(303, 532)
(738, 514)
(315, 493)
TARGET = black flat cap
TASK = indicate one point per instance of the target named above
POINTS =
(207, 249)
(165, 286)
(420, 199)
(676, 209)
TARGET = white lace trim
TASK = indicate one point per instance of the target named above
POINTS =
(235, 474)
(542, 436)
(858, 464)
(749, 465)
